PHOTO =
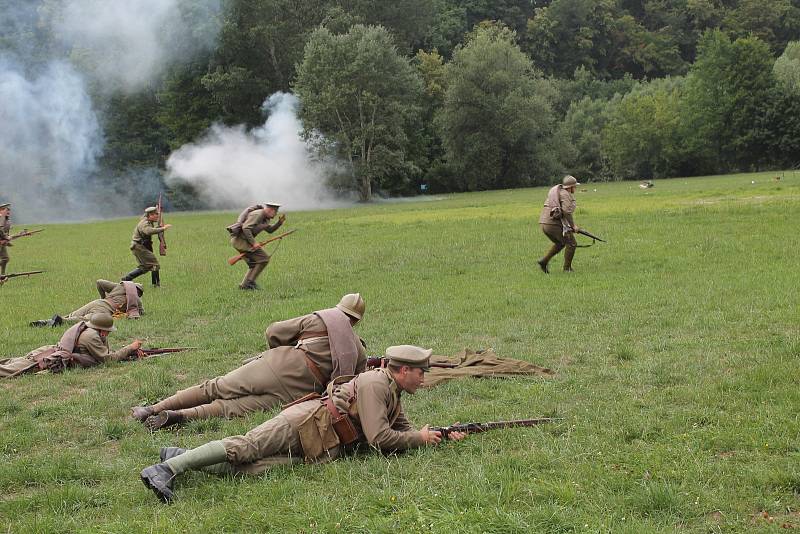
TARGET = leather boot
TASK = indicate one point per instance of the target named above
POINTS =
(256, 271)
(246, 280)
(160, 420)
(159, 478)
(155, 277)
(568, 255)
(133, 274)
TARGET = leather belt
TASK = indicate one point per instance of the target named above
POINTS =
(342, 424)
(314, 368)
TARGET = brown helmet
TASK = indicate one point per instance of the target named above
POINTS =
(353, 305)
(102, 321)
(569, 181)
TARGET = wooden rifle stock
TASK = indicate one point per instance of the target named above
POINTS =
(233, 260)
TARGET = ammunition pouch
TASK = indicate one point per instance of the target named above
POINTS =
(342, 424)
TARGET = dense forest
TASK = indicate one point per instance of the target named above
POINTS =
(462, 95)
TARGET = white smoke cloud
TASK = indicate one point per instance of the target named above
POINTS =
(233, 167)
(130, 43)
(50, 138)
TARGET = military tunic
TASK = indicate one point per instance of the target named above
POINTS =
(5, 233)
(112, 299)
(142, 244)
(304, 431)
(90, 343)
(245, 239)
(298, 362)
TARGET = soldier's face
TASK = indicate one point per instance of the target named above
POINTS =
(152, 216)
(103, 333)
(411, 379)
(270, 212)
(5, 212)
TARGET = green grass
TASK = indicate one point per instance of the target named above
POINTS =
(675, 344)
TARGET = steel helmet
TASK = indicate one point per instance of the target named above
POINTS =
(353, 305)
(102, 321)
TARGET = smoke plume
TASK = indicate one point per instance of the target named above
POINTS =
(50, 54)
(232, 167)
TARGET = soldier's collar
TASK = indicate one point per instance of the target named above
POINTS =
(393, 387)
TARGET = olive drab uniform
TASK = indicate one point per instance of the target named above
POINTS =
(89, 344)
(244, 239)
(142, 244)
(554, 228)
(5, 233)
(304, 431)
(113, 300)
(142, 248)
(298, 362)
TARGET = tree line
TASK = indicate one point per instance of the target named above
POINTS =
(464, 95)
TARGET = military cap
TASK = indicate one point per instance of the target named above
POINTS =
(6, 205)
(151, 209)
(102, 321)
(273, 205)
(410, 356)
(569, 181)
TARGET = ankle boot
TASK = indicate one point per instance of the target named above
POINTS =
(155, 277)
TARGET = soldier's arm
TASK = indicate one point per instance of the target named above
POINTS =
(272, 227)
(285, 333)
(373, 401)
(402, 424)
(567, 207)
(105, 286)
(152, 230)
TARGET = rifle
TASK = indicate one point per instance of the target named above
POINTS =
(162, 243)
(589, 234)
(23, 233)
(155, 351)
(5, 277)
(474, 428)
(374, 362)
(234, 259)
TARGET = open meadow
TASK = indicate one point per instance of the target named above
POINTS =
(675, 347)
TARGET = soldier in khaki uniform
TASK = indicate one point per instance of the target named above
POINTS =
(557, 223)
(5, 233)
(82, 345)
(366, 409)
(115, 298)
(142, 246)
(243, 238)
(305, 354)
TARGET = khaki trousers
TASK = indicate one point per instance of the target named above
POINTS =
(560, 241)
(274, 442)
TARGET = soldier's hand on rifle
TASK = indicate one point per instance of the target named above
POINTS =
(136, 345)
(282, 218)
(575, 228)
(430, 437)
(167, 226)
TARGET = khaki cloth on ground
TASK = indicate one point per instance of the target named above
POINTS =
(483, 364)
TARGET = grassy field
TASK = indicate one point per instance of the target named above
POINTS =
(675, 344)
